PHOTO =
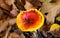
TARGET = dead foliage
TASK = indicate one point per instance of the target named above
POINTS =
(9, 9)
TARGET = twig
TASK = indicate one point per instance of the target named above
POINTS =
(7, 32)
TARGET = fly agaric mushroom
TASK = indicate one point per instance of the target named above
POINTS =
(30, 20)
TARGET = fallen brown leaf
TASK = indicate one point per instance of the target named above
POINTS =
(13, 13)
(52, 13)
(15, 35)
(10, 2)
(35, 3)
(19, 5)
(1, 14)
(52, 10)
(12, 21)
(55, 32)
(3, 26)
(4, 5)
(28, 5)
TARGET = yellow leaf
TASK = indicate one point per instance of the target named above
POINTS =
(54, 27)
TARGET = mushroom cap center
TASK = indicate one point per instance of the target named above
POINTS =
(29, 18)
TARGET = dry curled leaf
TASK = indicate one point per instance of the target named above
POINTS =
(52, 10)
(4, 5)
(12, 21)
(3, 26)
(45, 7)
(15, 35)
(28, 5)
(13, 13)
(10, 2)
(50, 17)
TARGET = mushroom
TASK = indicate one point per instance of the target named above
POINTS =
(30, 20)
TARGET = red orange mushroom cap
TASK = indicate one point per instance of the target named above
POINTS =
(30, 20)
